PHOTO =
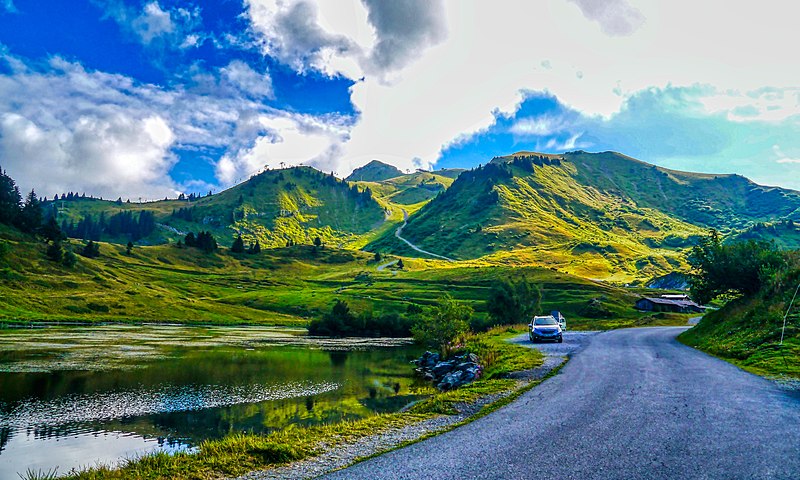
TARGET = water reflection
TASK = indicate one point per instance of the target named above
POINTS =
(182, 395)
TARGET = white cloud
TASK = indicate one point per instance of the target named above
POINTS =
(450, 86)
(782, 157)
(291, 33)
(63, 128)
(347, 37)
(542, 125)
(152, 23)
(248, 81)
(616, 17)
(284, 139)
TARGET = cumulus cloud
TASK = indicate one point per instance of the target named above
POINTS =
(284, 139)
(152, 23)
(347, 38)
(74, 130)
(404, 31)
(493, 53)
(249, 82)
(290, 32)
(63, 128)
(616, 17)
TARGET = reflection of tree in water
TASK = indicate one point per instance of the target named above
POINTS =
(5, 436)
(338, 358)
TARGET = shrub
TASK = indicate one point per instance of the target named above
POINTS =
(448, 321)
(342, 322)
(739, 269)
(510, 302)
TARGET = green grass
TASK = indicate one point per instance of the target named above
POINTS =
(238, 453)
(282, 286)
(746, 332)
(295, 204)
(603, 216)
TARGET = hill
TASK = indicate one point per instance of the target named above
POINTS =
(374, 171)
(600, 215)
(276, 207)
(281, 286)
(410, 189)
(747, 330)
(785, 234)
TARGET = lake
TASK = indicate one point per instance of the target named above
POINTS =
(72, 397)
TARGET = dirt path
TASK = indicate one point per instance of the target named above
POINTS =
(400, 229)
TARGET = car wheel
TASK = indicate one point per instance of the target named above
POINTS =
(560, 339)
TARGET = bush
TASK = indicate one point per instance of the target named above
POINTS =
(510, 303)
(449, 320)
(55, 252)
(342, 322)
(739, 269)
(69, 259)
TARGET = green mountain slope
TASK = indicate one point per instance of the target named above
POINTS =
(284, 286)
(374, 171)
(276, 207)
(598, 215)
(410, 189)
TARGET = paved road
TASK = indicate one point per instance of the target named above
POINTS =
(631, 404)
(400, 230)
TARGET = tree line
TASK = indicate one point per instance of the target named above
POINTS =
(134, 225)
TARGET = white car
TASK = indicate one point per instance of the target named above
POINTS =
(545, 328)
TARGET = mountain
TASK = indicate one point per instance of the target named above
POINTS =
(276, 207)
(410, 189)
(395, 187)
(600, 215)
(374, 171)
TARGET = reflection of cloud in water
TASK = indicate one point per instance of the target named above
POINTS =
(112, 405)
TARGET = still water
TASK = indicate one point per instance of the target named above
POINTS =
(77, 397)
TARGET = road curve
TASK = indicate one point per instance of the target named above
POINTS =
(634, 403)
(414, 247)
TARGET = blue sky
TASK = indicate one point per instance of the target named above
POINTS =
(150, 98)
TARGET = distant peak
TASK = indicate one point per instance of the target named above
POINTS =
(374, 171)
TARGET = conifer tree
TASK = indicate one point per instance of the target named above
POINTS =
(238, 245)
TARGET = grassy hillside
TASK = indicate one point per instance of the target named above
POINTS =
(286, 286)
(410, 189)
(595, 215)
(374, 171)
(786, 234)
(275, 207)
(724, 202)
(747, 333)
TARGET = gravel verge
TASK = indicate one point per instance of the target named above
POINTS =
(342, 455)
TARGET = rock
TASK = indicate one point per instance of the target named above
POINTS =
(451, 380)
(427, 360)
(449, 374)
(443, 368)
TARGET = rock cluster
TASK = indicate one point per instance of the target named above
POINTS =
(448, 374)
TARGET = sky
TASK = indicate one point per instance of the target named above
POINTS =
(147, 99)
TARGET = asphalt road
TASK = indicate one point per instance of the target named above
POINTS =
(631, 404)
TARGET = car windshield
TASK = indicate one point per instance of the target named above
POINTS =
(544, 321)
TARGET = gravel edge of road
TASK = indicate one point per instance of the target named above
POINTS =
(344, 455)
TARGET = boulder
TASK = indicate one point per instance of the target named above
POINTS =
(449, 374)
(443, 368)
